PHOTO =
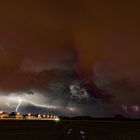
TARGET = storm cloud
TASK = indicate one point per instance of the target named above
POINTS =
(80, 55)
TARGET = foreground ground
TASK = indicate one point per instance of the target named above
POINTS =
(69, 130)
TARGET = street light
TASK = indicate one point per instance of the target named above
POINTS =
(1, 112)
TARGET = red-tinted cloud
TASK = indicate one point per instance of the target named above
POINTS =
(100, 41)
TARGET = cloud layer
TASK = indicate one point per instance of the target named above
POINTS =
(76, 54)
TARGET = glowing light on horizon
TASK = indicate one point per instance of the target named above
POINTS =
(57, 119)
(18, 113)
(1, 112)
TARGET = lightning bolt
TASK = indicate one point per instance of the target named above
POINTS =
(19, 103)
(20, 100)
(40, 105)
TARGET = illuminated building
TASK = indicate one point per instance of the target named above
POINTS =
(4, 114)
(19, 116)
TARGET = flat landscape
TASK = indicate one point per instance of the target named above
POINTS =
(69, 130)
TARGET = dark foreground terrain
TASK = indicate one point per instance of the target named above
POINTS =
(69, 130)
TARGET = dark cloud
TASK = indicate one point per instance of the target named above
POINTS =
(47, 46)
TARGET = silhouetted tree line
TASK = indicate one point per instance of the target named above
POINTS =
(117, 117)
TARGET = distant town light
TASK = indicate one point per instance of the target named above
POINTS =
(1, 112)
(57, 119)
(29, 114)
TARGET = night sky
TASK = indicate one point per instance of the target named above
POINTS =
(70, 57)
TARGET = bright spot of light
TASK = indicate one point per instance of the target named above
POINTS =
(1, 112)
(29, 114)
(57, 119)
(72, 109)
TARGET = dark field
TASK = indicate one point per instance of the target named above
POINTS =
(69, 130)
